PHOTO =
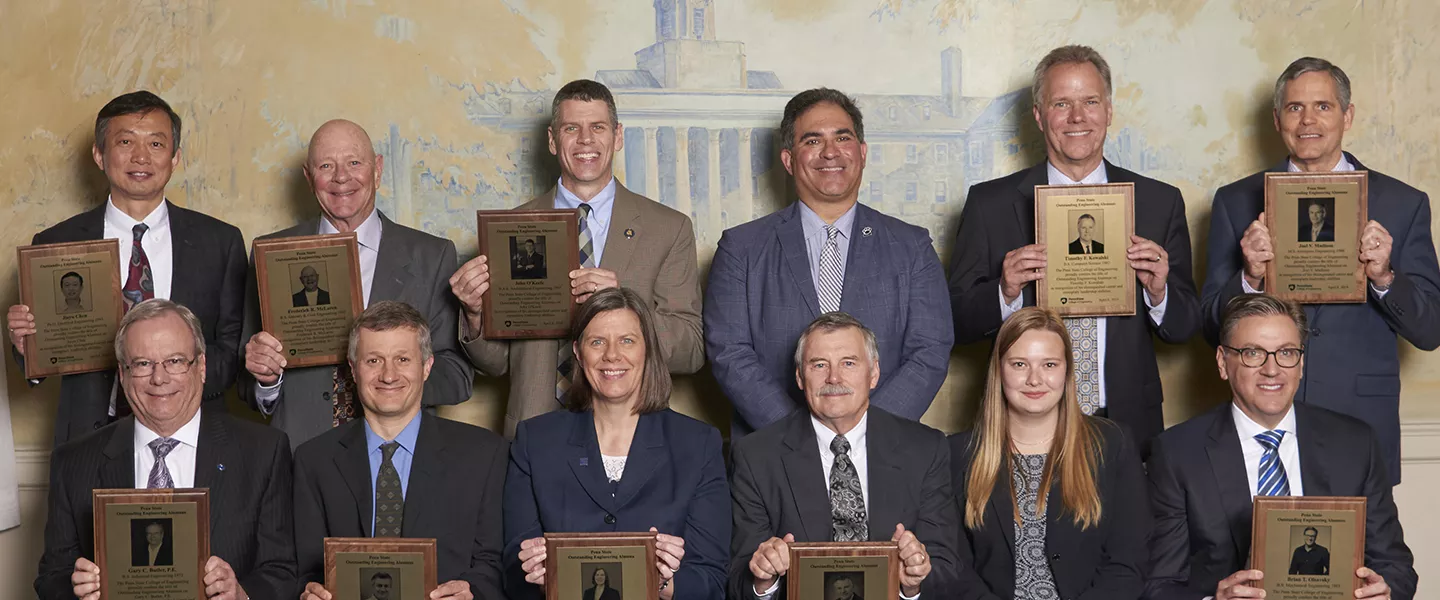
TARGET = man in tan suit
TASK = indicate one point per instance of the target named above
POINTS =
(625, 240)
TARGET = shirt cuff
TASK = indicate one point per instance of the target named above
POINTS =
(267, 397)
(1245, 286)
(770, 592)
(1009, 308)
(904, 597)
(1379, 293)
(1157, 311)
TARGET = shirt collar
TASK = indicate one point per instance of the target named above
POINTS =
(1248, 428)
(188, 434)
(856, 435)
(1343, 165)
(601, 201)
(407, 436)
(1055, 177)
(157, 220)
(367, 234)
(813, 224)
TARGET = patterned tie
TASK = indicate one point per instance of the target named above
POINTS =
(565, 362)
(342, 395)
(1272, 481)
(160, 474)
(832, 279)
(139, 286)
(847, 501)
(389, 497)
(1084, 347)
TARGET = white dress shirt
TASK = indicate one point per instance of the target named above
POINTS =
(598, 223)
(181, 459)
(368, 237)
(1157, 311)
(1253, 450)
(156, 243)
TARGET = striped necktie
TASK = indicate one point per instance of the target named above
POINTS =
(565, 361)
(831, 277)
(1272, 480)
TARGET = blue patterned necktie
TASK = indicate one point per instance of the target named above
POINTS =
(1272, 480)
(847, 501)
(139, 284)
(389, 495)
(832, 279)
(1085, 348)
(566, 360)
(160, 474)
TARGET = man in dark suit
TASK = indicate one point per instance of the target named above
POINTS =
(996, 258)
(310, 280)
(1352, 365)
(844, 589)
(171, 442)
(841, 471)
(396, 263)
(526, 264)
(165, 252)
(1310, 558)
(151, 548)
(1313, 225)
(1204, 472)
(1086, 242)
(450, 475)
(826, 252)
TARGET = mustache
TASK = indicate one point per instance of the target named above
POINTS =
(835, 389)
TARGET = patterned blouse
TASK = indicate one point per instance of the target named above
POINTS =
(1033, 580)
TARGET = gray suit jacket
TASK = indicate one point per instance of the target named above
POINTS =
(413, 267)
(651, 249)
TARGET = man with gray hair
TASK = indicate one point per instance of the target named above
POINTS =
(171, 442)
(1353, 361)
(997, 259)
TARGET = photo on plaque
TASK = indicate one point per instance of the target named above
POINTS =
(1075, 222)
(531, 254)
(843, 571)
(152, 544)
(310, 292)
(1308, 547)
(601, 566)
(73, 291)
(1327, 211)
(380, 568)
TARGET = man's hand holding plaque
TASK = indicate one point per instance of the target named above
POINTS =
(770, 562)
(914, 560)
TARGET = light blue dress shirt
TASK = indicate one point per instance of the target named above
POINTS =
(815, 237)
(601, 207)
(403, 457)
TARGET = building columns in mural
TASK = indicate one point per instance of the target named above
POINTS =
(742, 207)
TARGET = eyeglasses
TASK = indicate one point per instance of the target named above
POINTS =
(1255, 357)
(174, 365)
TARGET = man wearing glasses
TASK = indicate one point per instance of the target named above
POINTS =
(169, 442)
(1204, 472)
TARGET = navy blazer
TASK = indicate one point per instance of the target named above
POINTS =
(1104, 562)
(761, 297)
(1200, 496)
(1352, 359)
(674, 481)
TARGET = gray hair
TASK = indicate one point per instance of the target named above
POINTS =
(1245, 306)
(387, 315)
(1066, 55)
(1310, 64)
(156, 308)
(835, 321)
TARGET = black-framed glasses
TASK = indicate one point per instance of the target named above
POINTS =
(174, 365)
(1256, 357)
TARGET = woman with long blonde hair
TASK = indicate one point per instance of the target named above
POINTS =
(1052, 501)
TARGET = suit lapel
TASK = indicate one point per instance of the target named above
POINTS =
(353, 463)
(1227, 464)
(887, 482)
(807, 478)
(647, 455)
(392, 265)
(1001, 508)
(1025, 216)
(92, 225)
(424, 491)
(213, 448)
(1313, 454)
(791, 235)
(624, 215)
(862, 262)
(185, 254)
(585, 463)
(117, 471)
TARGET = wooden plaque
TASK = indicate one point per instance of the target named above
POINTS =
(73, 290)
(152, 544)
(818, 570)
(312, 324)
(1317, 262)
(577, 562)
(531, 255)
(1086, 230)
(402, 567)
(1297, 567)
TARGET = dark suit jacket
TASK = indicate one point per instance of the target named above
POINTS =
(1104, 562)
(1077, 248)
(1327, 232)
(761, 297)
(674, 481)
(533, 266)
(999, 216)
(610, 593)
(456, 483)
(298, 300)
(1315, 561)
(779, 487)
(413, 267)
(1201, 500)
(245, 465)
(1352, 359)
(140, 554)
(209, 279)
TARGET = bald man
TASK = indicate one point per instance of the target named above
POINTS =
(396, 263)
(310, 293)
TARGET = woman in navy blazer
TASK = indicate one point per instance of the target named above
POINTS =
(619, 461)
(1031, 430)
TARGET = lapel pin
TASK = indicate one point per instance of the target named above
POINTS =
(584, 462)
(220, 466)
(629, 233)
(867, 232)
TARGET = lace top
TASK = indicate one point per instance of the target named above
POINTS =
(614, 466)
(1033, 580)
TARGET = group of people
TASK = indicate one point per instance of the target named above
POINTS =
(827, 325)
